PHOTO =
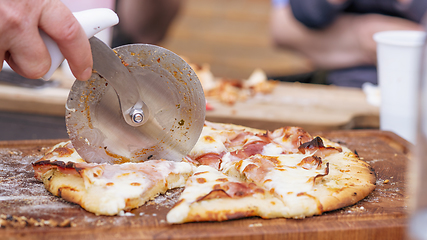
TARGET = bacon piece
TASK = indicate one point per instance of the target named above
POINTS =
(317, 147)
(239, 140)
(252, 144)
(250, 149)
(232, 190)
(210, 159)
(311, 162)
(290, 138)
(321, 175)
(259, 167)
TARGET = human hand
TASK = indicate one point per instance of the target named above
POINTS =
(24, 50)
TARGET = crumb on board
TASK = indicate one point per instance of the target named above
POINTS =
(354, 209)
(125, 214)
(22, 221)
(255, 225)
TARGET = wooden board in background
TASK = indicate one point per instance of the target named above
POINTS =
(313, 107)
(382, 215)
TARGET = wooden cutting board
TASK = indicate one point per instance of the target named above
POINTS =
(382, 215)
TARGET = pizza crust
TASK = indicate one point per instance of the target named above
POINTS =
(357, 180)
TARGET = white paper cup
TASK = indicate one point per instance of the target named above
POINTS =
(398, 63)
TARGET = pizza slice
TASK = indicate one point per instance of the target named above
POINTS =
(106, 189)
(210, 195)
(309, 175)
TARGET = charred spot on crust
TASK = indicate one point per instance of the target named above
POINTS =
(60, 164)
(65, 188)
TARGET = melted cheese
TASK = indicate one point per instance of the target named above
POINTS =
(74, 157)
(202, 183)
(113, 185)
(292, 184)
(272, 149)
(210, 141)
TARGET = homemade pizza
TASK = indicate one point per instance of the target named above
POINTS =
(232, 172)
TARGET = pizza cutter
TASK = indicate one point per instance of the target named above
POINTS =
(142, 102)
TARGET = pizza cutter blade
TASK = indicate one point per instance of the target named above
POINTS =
(142, 102)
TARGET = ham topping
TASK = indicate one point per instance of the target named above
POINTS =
(317, 148)
(250, 149)
(210, 159)
(311, 162)
(289, 137)
(232, 190)
(42, 166)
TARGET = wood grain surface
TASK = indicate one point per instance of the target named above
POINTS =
(381, 215)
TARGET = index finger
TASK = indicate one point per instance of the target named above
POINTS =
(59, 23)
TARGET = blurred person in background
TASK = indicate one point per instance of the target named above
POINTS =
(144, 21)
(336, 35)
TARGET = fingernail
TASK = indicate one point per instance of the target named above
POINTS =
(86, 74)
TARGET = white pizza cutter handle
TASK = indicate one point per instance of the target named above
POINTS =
(92, 21)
